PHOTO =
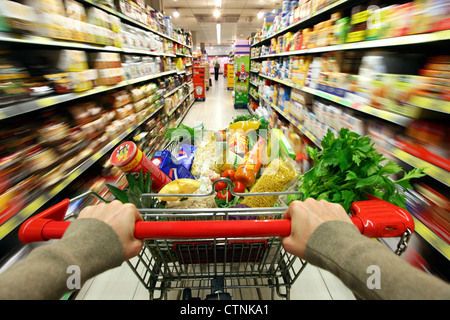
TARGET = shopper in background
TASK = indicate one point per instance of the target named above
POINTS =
(216, 68)
(321, 233)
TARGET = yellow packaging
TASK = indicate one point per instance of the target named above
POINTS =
(179, 186)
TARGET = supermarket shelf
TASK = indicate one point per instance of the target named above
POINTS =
(132, 21)
(253, 84)
(36, 40)
(432, 238)
(42, 41)
(297, 125)
(25, 213)
(168, 94)
(383, 114)
(184, 55)
(254, 71)
(147, 52)
(329, 9)
(250, 110)
(177, 124)
(29, 106)
(432, 170)
(435, 172)
(254, 97)
(180, 103)
(369, 44)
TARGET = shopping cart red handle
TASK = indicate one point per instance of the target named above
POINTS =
(374, 218)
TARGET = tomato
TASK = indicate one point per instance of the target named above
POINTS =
(239, 187)
(225, 195)
(220, 185)
(228, 174)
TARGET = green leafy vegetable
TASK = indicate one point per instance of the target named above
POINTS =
(348, 168)
(136, 187)
(224, 203)
(244, 117)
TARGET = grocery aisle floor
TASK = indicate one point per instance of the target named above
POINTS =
(122, 284)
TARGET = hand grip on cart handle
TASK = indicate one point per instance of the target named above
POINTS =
(374, 218)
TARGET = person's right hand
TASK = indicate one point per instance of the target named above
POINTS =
(122, 218)
(305, 217)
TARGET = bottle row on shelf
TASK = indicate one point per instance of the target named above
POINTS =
(367, 21)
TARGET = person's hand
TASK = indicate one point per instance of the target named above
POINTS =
(305, 217)
(122, 218)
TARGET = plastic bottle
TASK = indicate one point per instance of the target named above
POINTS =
(249, 168)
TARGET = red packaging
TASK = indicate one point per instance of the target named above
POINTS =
(130, 159)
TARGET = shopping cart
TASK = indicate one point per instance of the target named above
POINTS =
(221, 249)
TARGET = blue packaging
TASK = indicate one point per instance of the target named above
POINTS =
(170, 166)
(186, 155)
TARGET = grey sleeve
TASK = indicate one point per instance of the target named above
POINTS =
(360, 262)
(88, 244)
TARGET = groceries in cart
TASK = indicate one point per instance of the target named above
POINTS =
(230, 165)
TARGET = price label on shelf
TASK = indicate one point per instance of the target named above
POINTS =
(431, 104)
(46, 102)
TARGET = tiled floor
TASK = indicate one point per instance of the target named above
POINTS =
(122, 284)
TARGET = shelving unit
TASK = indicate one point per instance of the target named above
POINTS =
(35, 105)
(398, 118)
(13, 111)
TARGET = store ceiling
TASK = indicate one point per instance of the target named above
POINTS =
(238, 18)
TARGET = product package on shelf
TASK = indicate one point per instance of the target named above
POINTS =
(241, 80)
(76, 63)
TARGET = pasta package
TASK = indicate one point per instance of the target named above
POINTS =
(278, 174)
(204, 160)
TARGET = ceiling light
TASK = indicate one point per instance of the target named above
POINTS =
(218, 3)
(176, 14)
(260, 14)
(216, 13)
(218, 28)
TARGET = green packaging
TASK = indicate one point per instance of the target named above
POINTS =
(285, 147)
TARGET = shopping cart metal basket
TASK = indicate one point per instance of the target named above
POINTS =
(220, 249)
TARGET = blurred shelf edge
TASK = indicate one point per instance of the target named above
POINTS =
(179, 103)
(134, 22)
(26, 212)
(43, 41)
(379, 113)
(168, 94)
(432, 238)
(431, 170)
(410, 39)
(33, 105)
(180, 120)
(311, 137)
